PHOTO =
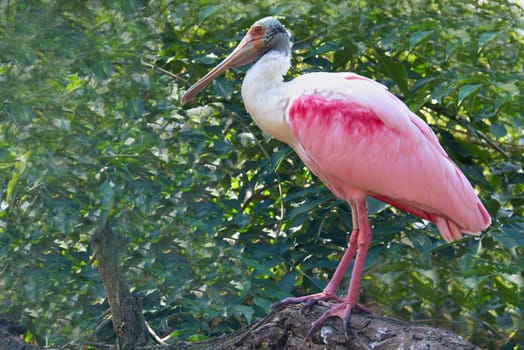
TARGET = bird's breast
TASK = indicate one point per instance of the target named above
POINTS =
(266, 105)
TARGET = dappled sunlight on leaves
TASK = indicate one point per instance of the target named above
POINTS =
(216, 220)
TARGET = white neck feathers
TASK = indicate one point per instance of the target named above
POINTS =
(265, 96)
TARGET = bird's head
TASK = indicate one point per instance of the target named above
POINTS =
(265, 35)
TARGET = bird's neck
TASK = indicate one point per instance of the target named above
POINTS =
(265, 96)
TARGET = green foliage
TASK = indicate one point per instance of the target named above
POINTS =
(217, 220)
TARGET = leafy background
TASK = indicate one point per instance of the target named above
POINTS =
(217, 220)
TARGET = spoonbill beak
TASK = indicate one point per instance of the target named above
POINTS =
(248, 50)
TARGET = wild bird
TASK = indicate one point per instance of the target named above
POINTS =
(359, 140)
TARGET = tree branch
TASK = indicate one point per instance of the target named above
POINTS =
(287, 329)
(440, 110)
(126, 310)
(166, 72)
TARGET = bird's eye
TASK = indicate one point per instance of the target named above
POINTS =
(257, 30)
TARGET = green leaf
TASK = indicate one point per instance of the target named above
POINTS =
(222, 87)
(11, 186)
(510, 87)
(245, 311)
(221, 146)
(417, 37)
(207, 11)
(374, 256)
(498, 130)
(441, 91)
(325, 47)
(19, 168)
(305, 208)
(466, 91)
(286, 284)
(486, 38)
(395, 70)
(514, 232)
(500, 101)
(374, 206)
(241, 220)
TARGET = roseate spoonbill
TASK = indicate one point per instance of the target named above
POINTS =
(360, 140)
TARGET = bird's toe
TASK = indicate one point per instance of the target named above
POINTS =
(308, 300)
(342, 311)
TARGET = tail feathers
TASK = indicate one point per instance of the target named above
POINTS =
(448, 229)
(485, 215)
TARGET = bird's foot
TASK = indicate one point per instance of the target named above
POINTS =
(342, 311)
(308, 300)
(362, 308)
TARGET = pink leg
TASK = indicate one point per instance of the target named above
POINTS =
(343, 265)
(363, 241)
(329, 292)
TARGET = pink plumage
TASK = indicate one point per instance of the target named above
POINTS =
(355, 150)
(360, 140)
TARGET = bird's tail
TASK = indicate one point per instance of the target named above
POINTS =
(448, 229)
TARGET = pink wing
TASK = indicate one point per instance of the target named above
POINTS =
(359, 139)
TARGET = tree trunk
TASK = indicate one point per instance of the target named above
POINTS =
(126, 310)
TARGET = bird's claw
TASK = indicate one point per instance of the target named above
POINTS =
(362, 308)
(342, 311)
(345, 321)
(308, 300)
(309, 304)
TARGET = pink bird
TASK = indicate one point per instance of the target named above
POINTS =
(360, 140)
